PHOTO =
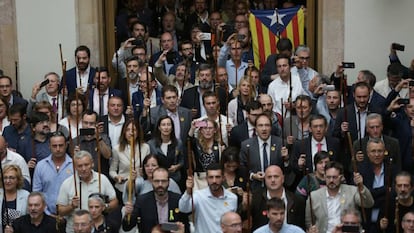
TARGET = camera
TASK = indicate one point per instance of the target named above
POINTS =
(44, 83)
(205, 36)
(348, 65)
(398, 47)
(170, 57)
(228, 30)
(240, 37)
(169, 226)
(411, 83)
(350, 228)
(329, 88)
(87, 132)
(138, 42)
(403, 101)
(200, 124)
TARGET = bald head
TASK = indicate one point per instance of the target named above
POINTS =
(274, 178)
(231, 223)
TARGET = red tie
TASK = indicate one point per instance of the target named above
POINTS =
(319, 146)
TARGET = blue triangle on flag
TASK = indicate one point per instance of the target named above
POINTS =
(268, 18)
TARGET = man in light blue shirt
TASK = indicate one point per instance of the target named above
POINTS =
(210, 203)
(276, 214)
(52, 171)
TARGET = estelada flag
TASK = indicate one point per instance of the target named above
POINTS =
(267, 26)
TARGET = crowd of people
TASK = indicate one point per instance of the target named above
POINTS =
(190, 136)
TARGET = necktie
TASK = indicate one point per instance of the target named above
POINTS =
(254, 132)
(101, 105)
(54, 105)
(319, 147)
(265, 160)
(177, 129)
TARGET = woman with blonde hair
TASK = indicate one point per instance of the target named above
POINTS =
(244, 94)
(12, 195)
(206, 149)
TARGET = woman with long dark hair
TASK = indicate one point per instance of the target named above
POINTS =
(165, 145)
(119, 169)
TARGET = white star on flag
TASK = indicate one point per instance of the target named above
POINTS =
(276, 18)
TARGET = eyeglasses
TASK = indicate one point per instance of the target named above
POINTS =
(4, 86)
(304, 58)
(10, 178)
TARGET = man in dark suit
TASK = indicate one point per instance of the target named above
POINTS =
(246, 130)
(374, 128)
(274, 179)
(305, 150)
(167, 44)
(367, 76)
(377, 173)
(145, 211)
(191, 98)
(82, 74)
(181, 116)
(261, 151)
(6, 92)
(99, 96)
(356, 113)
(148, 94)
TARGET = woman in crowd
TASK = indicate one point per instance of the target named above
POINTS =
(16, 197)
(165, 145)
(73, 121)
(244, 93)
(143, 184)
(235, 175)
(101, 223)
(121, 154)
(206, 149)
(315, 180)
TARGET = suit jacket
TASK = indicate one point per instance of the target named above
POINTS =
(391, 145)
(42, 97)
(351, 117)
(71, 79)
(112, 92)
(295, 210)
(349, 198)
(238, 134)
(305, 147)
(158, 111)
(379, 194)
(146, 216)
(250, 156)
(191, 99)
(138, 101)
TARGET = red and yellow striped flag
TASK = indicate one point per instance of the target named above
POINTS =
(266, 25)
